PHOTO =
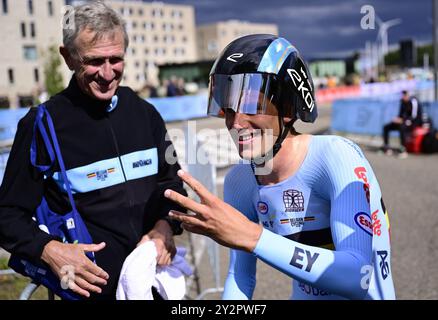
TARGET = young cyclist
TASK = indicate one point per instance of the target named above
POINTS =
(317, 214)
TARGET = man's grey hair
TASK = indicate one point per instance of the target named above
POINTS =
(93, 15)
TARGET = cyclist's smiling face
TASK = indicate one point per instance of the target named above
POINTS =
(254, 135)
(98, 63)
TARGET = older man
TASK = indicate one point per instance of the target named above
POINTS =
(113, 144)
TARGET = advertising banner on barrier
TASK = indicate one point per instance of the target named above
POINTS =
(181, 108)
(368, 116)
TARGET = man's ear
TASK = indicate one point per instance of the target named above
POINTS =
(67, 57)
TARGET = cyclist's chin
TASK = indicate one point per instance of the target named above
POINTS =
(250, 153)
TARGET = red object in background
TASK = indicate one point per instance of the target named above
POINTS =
(413, 140)
(328, 95)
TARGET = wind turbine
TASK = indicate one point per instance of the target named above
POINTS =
(383, 36)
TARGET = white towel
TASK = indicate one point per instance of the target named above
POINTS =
(140, 272)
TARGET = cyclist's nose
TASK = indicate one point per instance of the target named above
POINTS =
(239, 120)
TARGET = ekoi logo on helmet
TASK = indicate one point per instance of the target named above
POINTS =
(303, 86)
(235, 56)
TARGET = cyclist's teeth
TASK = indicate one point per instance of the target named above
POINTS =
(245, 137)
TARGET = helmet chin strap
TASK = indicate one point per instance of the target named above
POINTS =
(284, 130)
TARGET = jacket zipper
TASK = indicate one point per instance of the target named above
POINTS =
(128, 197)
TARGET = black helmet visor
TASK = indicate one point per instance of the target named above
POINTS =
(249, 93)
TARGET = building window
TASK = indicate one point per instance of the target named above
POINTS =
(32, 30)
(137, 64)
(30, 6)
(140, 12)
(167, 26)
(169, 39)
(184, 39)
(160, 51)
(5, 6)
(150, 64)
(50, 7)
(134, 25)
(157, 13)
(30, 53)
(146, 51)
(212, 46)
(179, 51)
(148, 25)
(11, 76)
(36, 75)
(25, 101)
(23, 30)
(130, 11)
(4, 102)
(181, 27)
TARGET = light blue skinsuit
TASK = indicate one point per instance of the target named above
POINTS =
(326, 226)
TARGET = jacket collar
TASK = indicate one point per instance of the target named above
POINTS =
(81, 99)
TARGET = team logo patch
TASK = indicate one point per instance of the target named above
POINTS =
(384, 266)
(268, 224)
(70, 223)
(101, 175)
(376, 223)
(141, 163)
(361, 174)
(363, 220)
(293, 200)
(297, 222)
(262, 207)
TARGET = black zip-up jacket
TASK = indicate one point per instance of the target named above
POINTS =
(411, 110)
(116, 164)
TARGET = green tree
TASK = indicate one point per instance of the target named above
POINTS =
(394, 57)
(54, 82)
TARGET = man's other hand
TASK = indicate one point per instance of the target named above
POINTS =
(74, 269)
(162, 236)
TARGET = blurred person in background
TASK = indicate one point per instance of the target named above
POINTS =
(409, 116)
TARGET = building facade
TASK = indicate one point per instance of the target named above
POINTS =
(159, 33)
(28, 29)
(212, 38)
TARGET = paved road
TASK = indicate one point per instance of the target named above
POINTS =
(410, 191)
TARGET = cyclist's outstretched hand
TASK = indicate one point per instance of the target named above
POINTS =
(213, 217)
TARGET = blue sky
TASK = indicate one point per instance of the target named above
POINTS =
(323, 28)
